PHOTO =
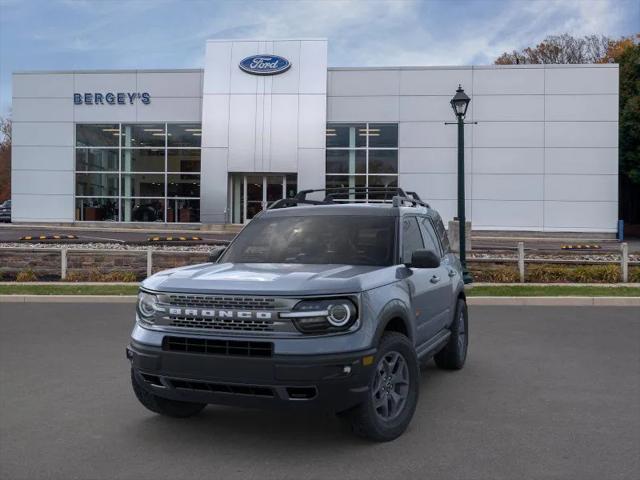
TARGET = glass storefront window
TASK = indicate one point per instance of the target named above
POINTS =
(382, 181)
(97, 159)
(342, 135)
(143, 159)
(383, 161)
(143, 209)
(347, 181)
(383, 135)
(185, 161)
(143, 185)
(346, 161)
(184, 135)
(362, 155)
(183, 211)
(153, 165)
(96, 209)
(183, 186)
(102, 135)
(144, 135)
(96, 185)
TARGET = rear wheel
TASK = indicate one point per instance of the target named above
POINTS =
(164, 406)
(454, 354)
(393, 391)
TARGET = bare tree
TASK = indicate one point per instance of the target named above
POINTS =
(5, 159)
(560, 49)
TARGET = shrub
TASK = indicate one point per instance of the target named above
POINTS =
(75, 277)
(552, 273)
(634, 274)
(120, 277)
(98, 276)
(494, 273)
(26, 276)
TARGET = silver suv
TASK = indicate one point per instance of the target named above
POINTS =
(315, 304)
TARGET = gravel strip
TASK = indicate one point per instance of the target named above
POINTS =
(108, 246)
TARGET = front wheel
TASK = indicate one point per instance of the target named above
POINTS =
(164, 406)
(454, 353)
(393, 391)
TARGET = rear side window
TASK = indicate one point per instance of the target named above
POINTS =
(442, 233)
(431, 241)
(411, 238)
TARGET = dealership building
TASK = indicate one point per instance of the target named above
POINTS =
(264, 119)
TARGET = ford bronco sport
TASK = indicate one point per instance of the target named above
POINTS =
(316, 303)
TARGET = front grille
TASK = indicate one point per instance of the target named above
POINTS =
(223, 302)
(236, 324)
(254, 390)
(218, 347)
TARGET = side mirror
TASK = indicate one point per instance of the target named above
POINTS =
(215, 253)
(424, 259)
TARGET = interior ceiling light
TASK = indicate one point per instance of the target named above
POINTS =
(153, 129)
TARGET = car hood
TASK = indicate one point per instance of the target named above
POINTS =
(270, 279)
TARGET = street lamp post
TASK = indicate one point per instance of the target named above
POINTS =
(460, 103)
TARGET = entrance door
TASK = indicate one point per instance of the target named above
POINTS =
(252, 193)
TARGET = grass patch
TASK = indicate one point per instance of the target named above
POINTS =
(552, 291)
(54, 289)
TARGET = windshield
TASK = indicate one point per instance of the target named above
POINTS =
(347, 240)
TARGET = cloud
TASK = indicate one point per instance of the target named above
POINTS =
(76, 34)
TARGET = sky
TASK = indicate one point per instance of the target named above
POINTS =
(114, 34)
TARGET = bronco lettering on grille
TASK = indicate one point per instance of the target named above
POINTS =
(209, 313)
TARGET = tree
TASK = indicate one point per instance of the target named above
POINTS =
(5, 159)
(560, 49)
(599, 49)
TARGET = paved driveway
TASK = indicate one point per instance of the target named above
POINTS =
(547, 393)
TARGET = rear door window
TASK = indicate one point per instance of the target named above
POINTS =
(441, 232)
(411, 238)
(430, 238)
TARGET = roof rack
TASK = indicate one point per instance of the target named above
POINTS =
(396, 195)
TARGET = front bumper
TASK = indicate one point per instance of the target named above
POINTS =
(333, 382)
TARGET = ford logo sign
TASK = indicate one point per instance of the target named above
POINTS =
(265, 64)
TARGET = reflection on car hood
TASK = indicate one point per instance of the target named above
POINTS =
(271, 279)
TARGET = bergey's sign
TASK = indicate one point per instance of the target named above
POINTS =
(265, 64)
(110, 98)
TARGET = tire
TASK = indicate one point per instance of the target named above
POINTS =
(164, 406)
(368, 419)
(454, 353)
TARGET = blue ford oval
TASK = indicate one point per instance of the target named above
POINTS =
(265, 64)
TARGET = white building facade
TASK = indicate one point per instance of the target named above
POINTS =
(217, 145)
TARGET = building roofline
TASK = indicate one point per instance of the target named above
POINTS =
(109, 70)
(315, 39)
(480, 67)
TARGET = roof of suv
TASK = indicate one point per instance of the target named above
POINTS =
(374, 209)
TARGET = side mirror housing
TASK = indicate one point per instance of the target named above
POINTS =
(215, 253)
(424, 259)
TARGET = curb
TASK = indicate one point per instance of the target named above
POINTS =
(473, 301)
(556, 301)
(68, 298)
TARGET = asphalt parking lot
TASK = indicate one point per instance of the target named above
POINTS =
(547, 393)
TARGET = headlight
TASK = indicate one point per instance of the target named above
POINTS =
(323, 316)
(147, 306)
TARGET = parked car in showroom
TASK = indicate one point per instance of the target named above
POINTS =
(5, 211)
(315, 304)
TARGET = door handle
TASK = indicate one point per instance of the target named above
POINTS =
(452, 273)
(435, 279)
